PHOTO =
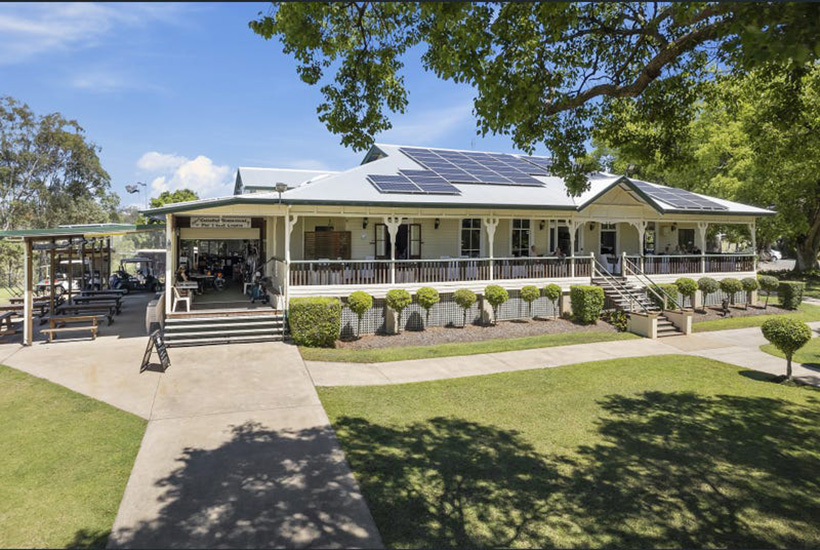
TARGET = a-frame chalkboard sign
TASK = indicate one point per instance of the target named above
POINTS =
(155, 341)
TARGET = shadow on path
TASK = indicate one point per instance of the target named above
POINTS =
(666, 470)
(262, 488)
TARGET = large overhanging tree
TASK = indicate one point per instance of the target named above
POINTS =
(542, 72)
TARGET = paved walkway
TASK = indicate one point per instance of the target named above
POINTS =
(238, 451)
(737, 346)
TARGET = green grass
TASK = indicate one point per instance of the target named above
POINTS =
(807, 355)
(64, 464)
(806, 313)
(666, 451)
(347, 355)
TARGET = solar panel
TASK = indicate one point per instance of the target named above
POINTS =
(416, 182)
(545, 163)
(472, 167)
(678, 198)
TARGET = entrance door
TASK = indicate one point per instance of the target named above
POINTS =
(608, 247)
(408, 242)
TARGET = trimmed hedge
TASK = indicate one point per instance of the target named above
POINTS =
(787, 335)
(768, 284)
(587, 303)
(791, 293)
(427, 297)
(496, 296)
(687, 287)
(671, 292)
(529, 294)
(398, 299)
(553, 293)
(315, 322)
(359, 303)
(731, 286)
(707, 286)
(465, 298)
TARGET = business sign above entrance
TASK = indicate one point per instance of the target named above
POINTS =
(225, 222)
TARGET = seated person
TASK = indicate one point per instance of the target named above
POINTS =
(182, 275)
(558, 253)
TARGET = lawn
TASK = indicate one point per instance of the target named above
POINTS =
(667, 451)
(806, 313)
(807, 355)
(379, 355)
(65, 462)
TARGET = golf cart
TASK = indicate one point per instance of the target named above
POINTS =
(61, 280)
(135, 273)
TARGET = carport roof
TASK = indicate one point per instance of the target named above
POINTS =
(85, 230)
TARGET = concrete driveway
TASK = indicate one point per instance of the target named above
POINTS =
(238, 451)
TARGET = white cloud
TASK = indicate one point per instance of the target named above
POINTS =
(30, 29)
(427, 127)
(172, 172)
(110, 80)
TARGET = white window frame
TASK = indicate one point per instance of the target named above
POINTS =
(513, 229)
(480, 230)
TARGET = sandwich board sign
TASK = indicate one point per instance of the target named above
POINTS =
(156, 342)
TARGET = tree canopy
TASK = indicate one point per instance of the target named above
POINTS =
(50, 173)
(170, 197)
(543, 72)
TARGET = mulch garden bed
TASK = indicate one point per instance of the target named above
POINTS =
(472, 333)
(715, 312)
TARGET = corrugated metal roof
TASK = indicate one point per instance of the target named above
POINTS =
(254, 179)
(102, 229)
(352, 187)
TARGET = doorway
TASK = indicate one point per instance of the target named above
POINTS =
(408, 242)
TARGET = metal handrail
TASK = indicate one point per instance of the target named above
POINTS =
(650, 284)
(600, 270)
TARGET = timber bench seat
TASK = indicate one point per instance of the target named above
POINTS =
(108, 300)
(54, 329)
(106, 309)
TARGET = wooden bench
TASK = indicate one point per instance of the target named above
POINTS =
(104, 300)
(107, 310)
(54, 329)
(108, 291)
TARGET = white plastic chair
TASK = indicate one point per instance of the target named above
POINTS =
(180, 298)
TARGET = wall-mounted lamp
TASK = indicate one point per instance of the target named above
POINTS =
(591, 226)
(541, 225)
(437, 223)
(364, 223)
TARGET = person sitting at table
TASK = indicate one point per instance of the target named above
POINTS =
(558, 253)
(182, 275)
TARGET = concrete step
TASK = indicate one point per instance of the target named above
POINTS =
(221, 319)
(272, 324)
(224, 339)
(211, 333)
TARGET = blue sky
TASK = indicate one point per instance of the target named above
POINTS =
(180, 95)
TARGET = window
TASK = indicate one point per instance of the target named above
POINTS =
(520, 238)
(408, 241)
(649, 238)
(471, 237)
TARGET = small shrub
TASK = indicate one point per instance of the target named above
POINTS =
(427, 298)
(707, 286)
(667, 290)
(618, 319)
(790, 293)
(553, 293)
(529, 294)
(768, 284)
(359, 303)
(315, 322)
(787, 335)
(496, 295)
(687, 287)
(587, 302)
(731, 286)
(465, 299)
(749, 284)
(398, 299)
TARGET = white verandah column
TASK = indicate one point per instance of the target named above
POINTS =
(28, 298)
(170, 262)
(290, 221)
(754, 246)
(392, 223)
(702, 227)
(490, 224)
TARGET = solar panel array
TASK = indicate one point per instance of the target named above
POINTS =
(678, 198)
(472, 167)
(419, 182)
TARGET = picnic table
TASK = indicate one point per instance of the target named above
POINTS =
(18, 308)
(5, 321)
(101, 308)
(100, 298)
(100, 292)
(54, 329)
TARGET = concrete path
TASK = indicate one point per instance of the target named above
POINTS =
(238, 452)
(738, 347)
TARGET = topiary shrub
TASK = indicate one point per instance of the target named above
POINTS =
(749, 285)
(496, 295)
(669, 291)
(398, 299)
(315, 322)
(465, 299)
(787, 335)
(687, 287)
(790, 293)
(427, 297)
(587, 302)
(553, 293)
(707, 286)
(359, 303)
(529, 294)
(768, 284)
(731, 286)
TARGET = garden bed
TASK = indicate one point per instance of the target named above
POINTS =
(715, 312)
(472, 333)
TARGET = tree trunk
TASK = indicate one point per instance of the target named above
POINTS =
(788, 367)
(807, 247)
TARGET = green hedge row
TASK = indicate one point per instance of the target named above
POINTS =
(587, 303)
(791, 293)
(315, 322)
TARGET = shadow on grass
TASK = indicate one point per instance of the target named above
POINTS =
(669, 470)
(85, 539)
(261, 489)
